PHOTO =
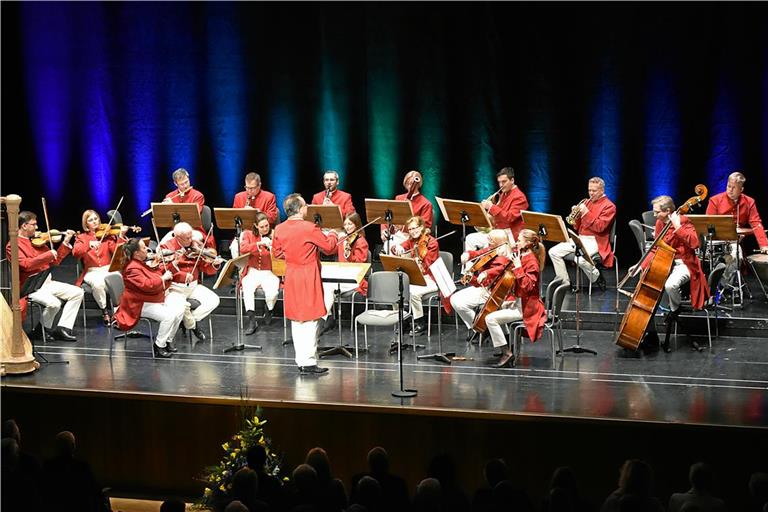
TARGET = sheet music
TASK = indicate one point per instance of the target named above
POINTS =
(443, 278)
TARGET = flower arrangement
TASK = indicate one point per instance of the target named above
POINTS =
(218, 479)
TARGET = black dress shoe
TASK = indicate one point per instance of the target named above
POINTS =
(268, 317)
(253, 325)
(506, 361)
(162, 352)
(650, 343)
(105, 317)
(63, 334)
(312, 370)
(417, 329)
(171, 347)
(199, 334)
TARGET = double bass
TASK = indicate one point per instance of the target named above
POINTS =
(650, 287)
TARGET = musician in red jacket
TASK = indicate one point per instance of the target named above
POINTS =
(33, 260)
(352, 249)
(95, 253)
(425, 249)
(594, 219)
(466, 300)
(184, 192)
(523, 302)
(744, 211)
(145, 296)
(256, 197)
(421, 206)
(186, 270)
(505, 207)
(258, 273)
(332, 195)
(299, 242)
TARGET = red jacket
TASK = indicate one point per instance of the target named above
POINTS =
(142, 284)
(527, 290)
(264, 202)
(721, 204)
(684, 241)
(506, 213)
(420, 206)
(33, 260)
(339, 197)
(90, 258)
(597, 222)
(184, 265)
(190, 196)
(493, 269)
(359, 255)
(299, 242)
(260, 258)
(433, 253)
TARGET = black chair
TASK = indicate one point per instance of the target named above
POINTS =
(115, 289)
(553, 325)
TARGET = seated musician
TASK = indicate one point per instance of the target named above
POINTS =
(256, 197)
(353, 248)
(505, 207)
(258, 273)
(192, 258)
(424, 248)
(96, 254)
(333, 195)
(34, 259)
(184, 192)
(682, 237)
(466, 300)
(145, 296)
(523, 302)
(744, 211)
(594, 219)
(421, 206)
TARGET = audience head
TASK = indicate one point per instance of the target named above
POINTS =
(256, 457)
(236, 506)
(378, 460)
(702, 477)
(636, 478)
(173, 505)
(65, 443)
(305, 478)
(563, 478)
(428, 495)
(632, 503)
(495, 471)
(560, 500)
(442, 467)
(318, 459)
(245, 485)
(11, 429)
(369, 492)
(10, 452)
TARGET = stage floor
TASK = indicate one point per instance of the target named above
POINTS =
(726, 385)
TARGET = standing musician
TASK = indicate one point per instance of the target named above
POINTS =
(191, 259)
(505, 210)
(95, 251)
(145, 296)
(425, 250)
(258, 273)
(184, 192)
(421, 206)
(687, 267)
(353, 249)
(523, 301)
(745, 214)
(332, 195)
(299, 242)
(256, 197)
(594, 218)
(466, 300)
(33, 259)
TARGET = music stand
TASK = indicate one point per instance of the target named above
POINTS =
(327, 216)
(390, 211)
(412, 270)
(118, 262)
(464, 213)
(31, 285)
(581, 251)
(550, 228)
(408, 267)
(341, 272)
(720, 228)
(166, 215)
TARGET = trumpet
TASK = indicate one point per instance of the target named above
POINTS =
(571, 219)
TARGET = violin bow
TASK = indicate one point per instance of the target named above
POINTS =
(438, 238)
(47, 224)
(159, 249)
(341, 239)
(114, 212)
(205, 241)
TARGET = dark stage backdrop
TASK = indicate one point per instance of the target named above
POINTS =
(103, 100)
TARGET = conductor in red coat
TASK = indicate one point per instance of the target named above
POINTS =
(256, 197)
(333, 195)
(145, 296)
(299, 241)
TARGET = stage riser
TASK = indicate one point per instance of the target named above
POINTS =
(155, 446)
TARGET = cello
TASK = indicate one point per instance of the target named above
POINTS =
(650, 287)
(499, 292)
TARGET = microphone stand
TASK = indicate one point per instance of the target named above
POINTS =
(402, 392)
(239, 346)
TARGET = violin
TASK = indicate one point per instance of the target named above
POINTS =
(348, 243)
(113, 230)
(155, 259)
(44, 238)
(479, 262)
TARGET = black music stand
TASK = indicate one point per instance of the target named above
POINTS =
(327, 216)
(714, 228)
(31, 285)
(581, 251)
(412, 270)
(391, 212)
(408, 267)
(167, 215)
(463, 213)
(335, 273)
